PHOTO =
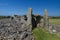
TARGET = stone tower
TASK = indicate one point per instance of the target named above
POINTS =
(45, 19)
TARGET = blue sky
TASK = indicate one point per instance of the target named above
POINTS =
(20, 7)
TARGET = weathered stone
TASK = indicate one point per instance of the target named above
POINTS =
(29, 16)
(45, 19)
(29, 19)
(9, 27)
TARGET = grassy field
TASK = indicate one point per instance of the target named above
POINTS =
(54, 21)
(41, 34)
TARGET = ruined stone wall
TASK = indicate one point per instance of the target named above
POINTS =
(20, 28)
(15, 28)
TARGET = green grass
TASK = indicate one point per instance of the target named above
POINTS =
(41, 34)
(54, 21)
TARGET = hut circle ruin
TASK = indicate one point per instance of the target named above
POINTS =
(20, 27)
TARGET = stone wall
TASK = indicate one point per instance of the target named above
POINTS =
(16, 28)
(20, 28)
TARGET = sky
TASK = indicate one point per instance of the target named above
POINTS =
(20, 7)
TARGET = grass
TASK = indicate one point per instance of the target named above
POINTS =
(54, 21)
(41, 34)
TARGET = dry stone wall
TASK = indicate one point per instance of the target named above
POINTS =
(15, 28)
